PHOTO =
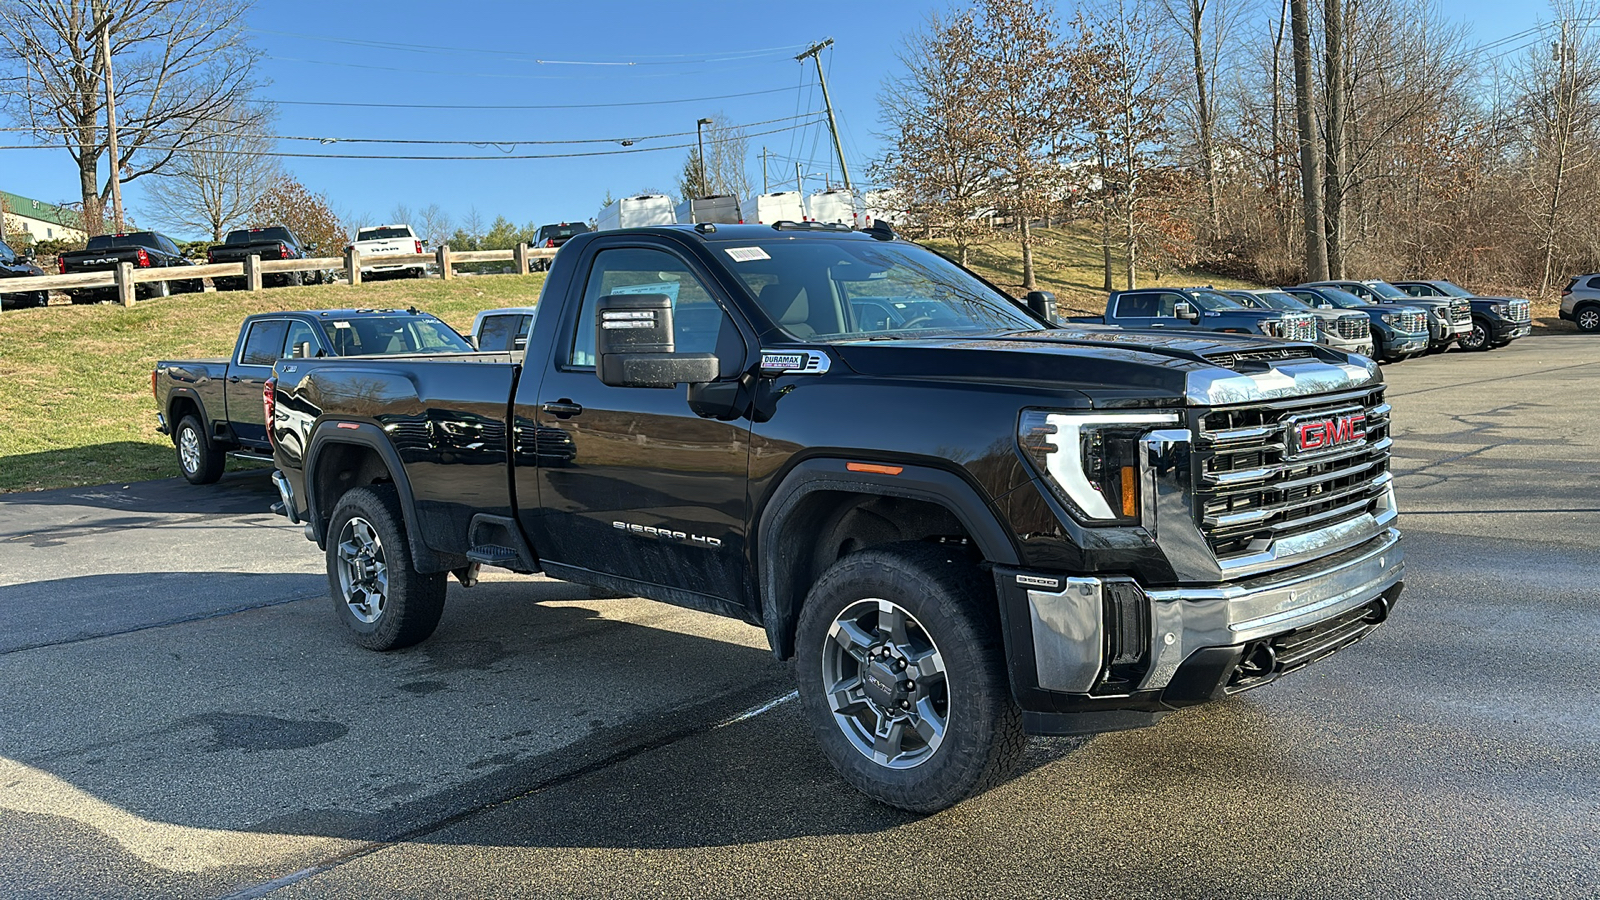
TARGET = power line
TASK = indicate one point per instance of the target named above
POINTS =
(662, 59)
(456, 73)
(475, 142)
(348, 104)
(377, 156)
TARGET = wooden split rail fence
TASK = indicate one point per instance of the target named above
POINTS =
(125, 277)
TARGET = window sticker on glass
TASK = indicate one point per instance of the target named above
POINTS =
(746, 254)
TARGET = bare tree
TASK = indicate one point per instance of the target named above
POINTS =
(434, 224)
(400, 214)
(1204, 26)
(1305, 116)
(1020, 80)
(936, 161)
(181, 70)
(212, 185)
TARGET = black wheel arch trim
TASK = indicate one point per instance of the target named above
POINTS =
(336, 432)
(780, 604)
(190, 394)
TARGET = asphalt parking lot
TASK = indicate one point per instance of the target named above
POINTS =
(180, 718)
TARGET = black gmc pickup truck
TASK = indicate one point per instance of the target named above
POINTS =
(213, 407)
(962, 523)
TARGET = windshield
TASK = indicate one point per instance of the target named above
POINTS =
(1211, 301)
(1341, 299)
(1451, 289)
(836, 290)
(387, 335)
(1386, 290)
(255, 235)
(1270, 300)
(381, 234)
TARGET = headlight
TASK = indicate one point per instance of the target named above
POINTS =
(1386, 318)
(1498, 309)
(1272, 328)
(1091, 459)
(1327, 326)
(1441, 314)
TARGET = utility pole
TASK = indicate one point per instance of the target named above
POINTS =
(764, 189)
(111, 122)
(833, 124)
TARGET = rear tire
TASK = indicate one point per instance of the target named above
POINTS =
(382, 601)
(925, 614)
(198, 460)
(1588, 319)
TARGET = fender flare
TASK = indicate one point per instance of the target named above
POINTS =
(187, 393)
(337, 432)
(780, 603)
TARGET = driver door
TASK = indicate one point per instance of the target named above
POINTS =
(633, 482)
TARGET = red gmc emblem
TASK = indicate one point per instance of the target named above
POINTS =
(1320, 433)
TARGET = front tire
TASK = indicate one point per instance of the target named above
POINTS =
(1476, 340)
(198, 460)
(902, 676)
(383, 602)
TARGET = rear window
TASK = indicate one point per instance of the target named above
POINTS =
(561, 231)
(382, 234)
(107, 241)
(391, 335)
(256, 235)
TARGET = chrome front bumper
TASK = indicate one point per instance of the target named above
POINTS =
(1069, 624)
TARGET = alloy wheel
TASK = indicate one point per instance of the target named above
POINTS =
(1589, 320)
(363, 572)
(886, 683)
(189, 450)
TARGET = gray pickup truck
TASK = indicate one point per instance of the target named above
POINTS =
(1200, 309)
(213, 407)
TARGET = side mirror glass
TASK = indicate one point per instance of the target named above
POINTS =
(1043, 305)
(29, 253)
(634, 345)
(1186, 311)
(310, 247)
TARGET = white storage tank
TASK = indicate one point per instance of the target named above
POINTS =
(637, 212)
(777, 206)
(835, 205)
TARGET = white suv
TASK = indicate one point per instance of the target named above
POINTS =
(1580, 302)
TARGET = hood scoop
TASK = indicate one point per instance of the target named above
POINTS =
(1258, 360)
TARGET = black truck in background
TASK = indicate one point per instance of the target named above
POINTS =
(144, 250)
(213, 407)
(276, 242)
(963, 523)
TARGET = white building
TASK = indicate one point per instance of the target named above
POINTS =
(30, 221)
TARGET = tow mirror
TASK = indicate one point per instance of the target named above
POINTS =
(1185, 311)
(29, 253)
(1043, 305)
(303, 350)
(634, 346)
(310, 248)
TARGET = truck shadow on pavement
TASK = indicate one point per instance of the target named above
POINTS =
(238, 493)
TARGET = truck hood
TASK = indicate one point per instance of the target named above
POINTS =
(1122, 367)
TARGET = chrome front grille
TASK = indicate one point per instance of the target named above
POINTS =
(1353, 327)
(1411, 322)
(1299, 328)
(1251, 490)
(1460, 312)
(1520, 311)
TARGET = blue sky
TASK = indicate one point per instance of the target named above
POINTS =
(596, 52)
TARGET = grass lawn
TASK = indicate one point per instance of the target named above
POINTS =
(1068, 262)
(75, 404)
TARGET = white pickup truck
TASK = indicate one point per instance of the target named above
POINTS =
(377, 241)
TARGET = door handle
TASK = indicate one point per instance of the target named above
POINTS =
(561, 409)
(233, 379)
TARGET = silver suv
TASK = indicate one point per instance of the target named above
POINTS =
(1580, 302)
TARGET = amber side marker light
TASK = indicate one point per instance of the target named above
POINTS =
(874, 468)
(1129, 498)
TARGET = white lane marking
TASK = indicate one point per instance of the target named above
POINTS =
(758, 710)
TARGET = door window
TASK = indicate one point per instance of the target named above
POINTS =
(500, 333)
(300, 333)
(699, 323)
(263, 346)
